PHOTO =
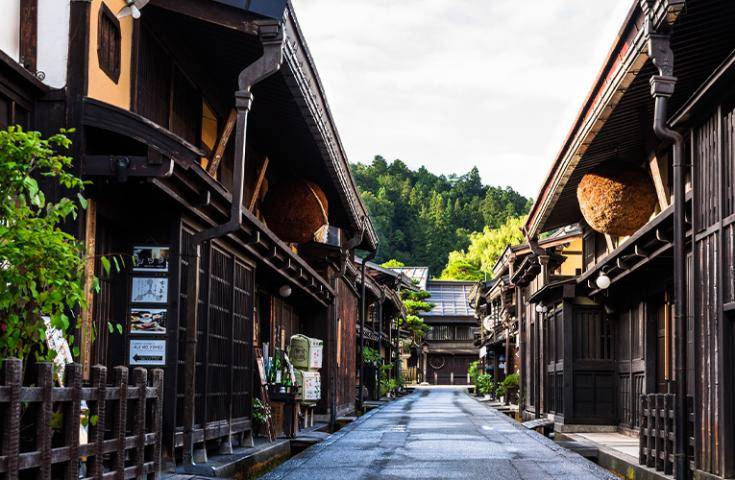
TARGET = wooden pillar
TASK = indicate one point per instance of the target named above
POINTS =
(86, 328)
(521, 314)
(424, 378)
(507, 352)
(537, 364)
(568, 361)
(29, 34)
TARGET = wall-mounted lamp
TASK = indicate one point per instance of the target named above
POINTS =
(285, 291)
(541, 308)
(602, 281)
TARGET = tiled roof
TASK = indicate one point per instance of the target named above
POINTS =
(450, 298)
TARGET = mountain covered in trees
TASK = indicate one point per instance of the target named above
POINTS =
(421, 217)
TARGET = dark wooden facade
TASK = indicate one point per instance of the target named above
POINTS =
(448, 347)
(709, 125)
(151, 101)
(625, 336)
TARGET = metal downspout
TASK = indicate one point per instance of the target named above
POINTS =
(272, 39)
(662, 88)
(360, 398)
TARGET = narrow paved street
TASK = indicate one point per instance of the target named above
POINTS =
(437, 433)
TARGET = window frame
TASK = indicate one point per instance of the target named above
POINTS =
(112, 71)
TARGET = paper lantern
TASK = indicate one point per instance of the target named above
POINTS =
(617, 202)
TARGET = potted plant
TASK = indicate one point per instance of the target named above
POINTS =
(485, 385)
(473, 371)
(509, 387)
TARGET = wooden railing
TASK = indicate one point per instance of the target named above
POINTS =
(41, 424)
(657, 433)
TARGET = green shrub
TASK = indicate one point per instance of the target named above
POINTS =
(387, 386)
(261, 412)
(370, 355)
(512, 381)
(473, 371)
(41, 266)
(508, 385)
(485, 384)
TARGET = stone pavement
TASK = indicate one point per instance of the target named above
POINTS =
(437, 434)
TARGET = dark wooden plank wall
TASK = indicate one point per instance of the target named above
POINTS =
(593, 368)
(553, 363)
(224, 349)
(285, 320)
(154, 80)
(713, 161)
(630, 362)
(347, 351)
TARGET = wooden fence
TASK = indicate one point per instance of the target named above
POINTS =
(657, 433)
(41, 424)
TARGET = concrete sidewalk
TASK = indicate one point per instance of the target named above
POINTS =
(437, 434)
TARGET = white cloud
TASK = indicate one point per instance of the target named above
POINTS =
(454, 83)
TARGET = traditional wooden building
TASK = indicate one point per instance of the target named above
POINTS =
(383, 315)
(503, 304)
(647, 169)
(217, 175)
(448, 349)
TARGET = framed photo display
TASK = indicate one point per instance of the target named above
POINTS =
(150, 259)
(146, 321)
(149, 290)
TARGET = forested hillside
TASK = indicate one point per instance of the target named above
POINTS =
(421, 217)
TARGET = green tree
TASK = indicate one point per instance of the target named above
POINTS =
(485, 248)
(460, 267)
(421, 217)
(392, 263)
(41, 266)
(414, 301)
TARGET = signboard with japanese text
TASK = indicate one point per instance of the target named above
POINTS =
(147, 352)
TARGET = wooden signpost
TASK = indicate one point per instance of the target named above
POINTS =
(270, 426)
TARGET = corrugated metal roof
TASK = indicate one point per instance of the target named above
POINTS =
(419, 274)
(450, 298)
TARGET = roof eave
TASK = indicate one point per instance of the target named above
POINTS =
(626, 57)
(299, 61)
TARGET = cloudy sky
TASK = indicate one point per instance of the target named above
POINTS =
(454, 83)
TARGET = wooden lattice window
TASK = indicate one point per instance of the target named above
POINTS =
(108, 43)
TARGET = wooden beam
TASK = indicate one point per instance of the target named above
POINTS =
(29, 34)
(222, 144)
(133, 166)
(102, 115)
(258, 184)
(659, 174)
(212, 12)
(610, 245)
(86, 331)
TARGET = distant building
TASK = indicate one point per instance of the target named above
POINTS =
(447, 349)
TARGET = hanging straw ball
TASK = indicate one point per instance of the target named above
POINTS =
(296, 210)
(616, 202)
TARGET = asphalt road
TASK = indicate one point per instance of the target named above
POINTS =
(437, 434)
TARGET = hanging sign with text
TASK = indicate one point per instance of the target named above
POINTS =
(147, 352)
